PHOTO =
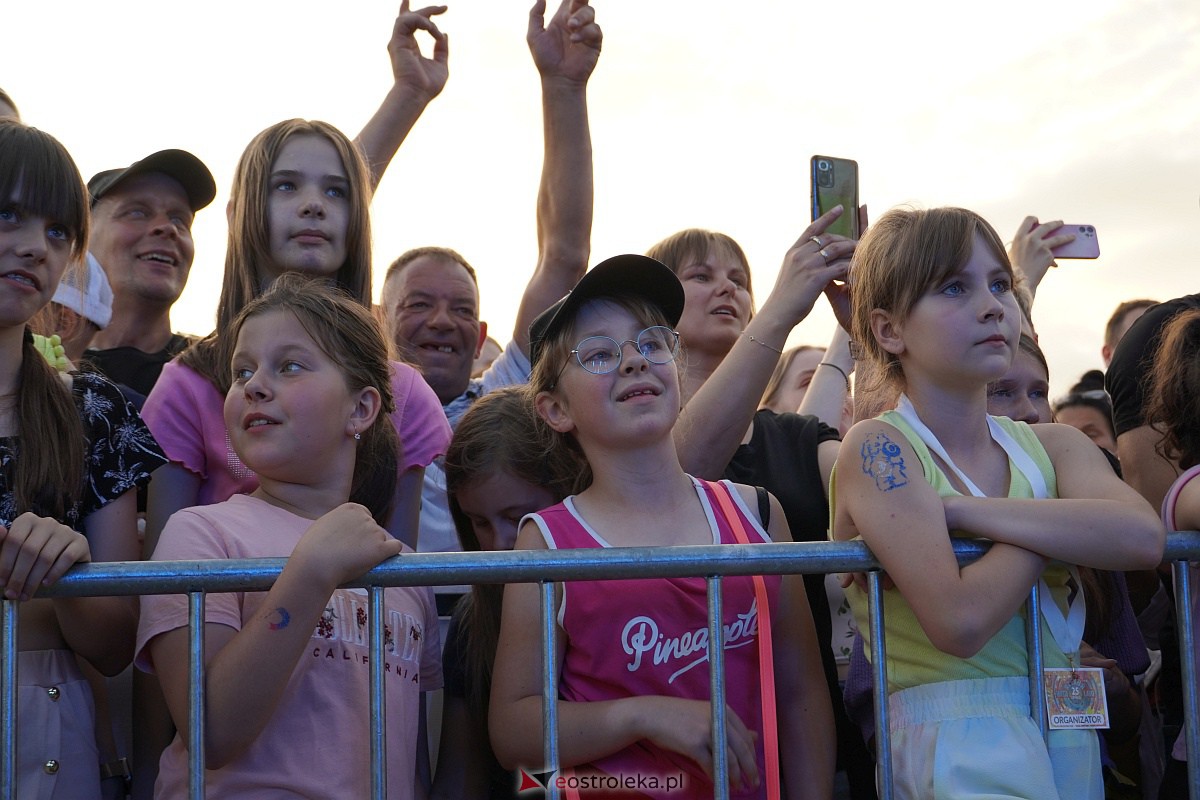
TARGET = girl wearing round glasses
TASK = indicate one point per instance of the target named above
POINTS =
(632, 655)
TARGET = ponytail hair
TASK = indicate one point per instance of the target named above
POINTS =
(350, 336)
(48, 470)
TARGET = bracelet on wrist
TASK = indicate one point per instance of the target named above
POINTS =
(761, 343)
(839, 369)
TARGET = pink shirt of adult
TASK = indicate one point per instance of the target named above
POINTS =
(185, 414)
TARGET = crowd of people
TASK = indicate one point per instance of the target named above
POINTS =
(645, 402)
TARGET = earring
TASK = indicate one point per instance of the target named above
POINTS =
(357, 436)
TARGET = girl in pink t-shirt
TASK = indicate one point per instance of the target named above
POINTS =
(634, 669)
(286, 701)
(300, 203)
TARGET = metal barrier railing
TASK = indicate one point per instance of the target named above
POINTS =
(196, 578)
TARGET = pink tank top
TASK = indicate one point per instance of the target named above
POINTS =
(627, 638)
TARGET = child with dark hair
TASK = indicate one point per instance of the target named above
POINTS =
(499, 468)
(1089, 408)
(72, 452)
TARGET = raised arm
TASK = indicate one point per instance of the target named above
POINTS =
(715, 419)
(883, 497)
(565, 51)
(830, 387)
(416, 81)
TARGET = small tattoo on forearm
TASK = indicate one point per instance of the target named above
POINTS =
(881, 460)
(278, 619)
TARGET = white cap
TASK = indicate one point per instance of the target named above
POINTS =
(93, 301)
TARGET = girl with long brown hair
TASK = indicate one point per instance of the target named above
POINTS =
(71, 452)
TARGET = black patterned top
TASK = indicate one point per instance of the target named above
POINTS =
(121, 452)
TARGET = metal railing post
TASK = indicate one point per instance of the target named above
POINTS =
(1033, 646)
(196, 695)
(879, 683)
(1187, 655)
(549, 689)
(378, 709)
(716, 682)
(8, 697)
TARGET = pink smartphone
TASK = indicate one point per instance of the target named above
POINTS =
(1086, 245)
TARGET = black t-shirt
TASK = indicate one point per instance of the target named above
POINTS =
(1128, 374)
(781, 456)
(133, 368)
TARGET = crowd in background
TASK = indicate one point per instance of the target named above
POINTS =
(647, 401)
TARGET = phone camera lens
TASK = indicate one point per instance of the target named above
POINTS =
(823, 165)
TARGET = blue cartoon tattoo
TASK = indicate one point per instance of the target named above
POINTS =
(882, 461)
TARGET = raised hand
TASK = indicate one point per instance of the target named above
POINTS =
(424, 77)
(36, 551)
(569, 46)
(811, 266)
(1031, 248)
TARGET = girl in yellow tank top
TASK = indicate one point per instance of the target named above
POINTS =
(935, 314)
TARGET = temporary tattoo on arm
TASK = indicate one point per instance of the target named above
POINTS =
(881, 460)
(278, 619)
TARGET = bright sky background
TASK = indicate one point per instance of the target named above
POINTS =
(703, 114)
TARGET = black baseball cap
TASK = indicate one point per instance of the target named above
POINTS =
(193, 176)
(628, 275)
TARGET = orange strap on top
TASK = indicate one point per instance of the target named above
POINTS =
(571, 792)
(766, 656)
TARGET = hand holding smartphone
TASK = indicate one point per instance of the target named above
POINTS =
(1085, 245)
(834, 183)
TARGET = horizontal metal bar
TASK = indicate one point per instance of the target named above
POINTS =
(518, 566)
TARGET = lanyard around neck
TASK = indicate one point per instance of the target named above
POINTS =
(1067, 630)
